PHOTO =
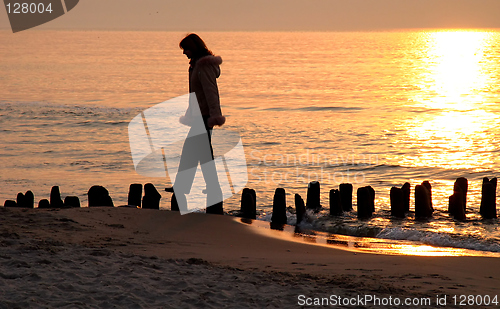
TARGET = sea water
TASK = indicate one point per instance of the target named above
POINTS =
(367, 108)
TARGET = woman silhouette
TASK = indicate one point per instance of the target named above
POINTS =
(203, 73)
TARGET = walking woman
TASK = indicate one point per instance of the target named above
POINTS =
(203, 73)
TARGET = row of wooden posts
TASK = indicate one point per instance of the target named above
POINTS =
(340, 200)
(97, 196)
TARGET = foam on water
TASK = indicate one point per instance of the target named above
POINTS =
(418, 233)
(305, 234)
(439, 239)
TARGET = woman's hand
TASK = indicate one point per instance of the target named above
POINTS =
(216, 121)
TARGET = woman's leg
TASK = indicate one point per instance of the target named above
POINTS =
(198, 149)
(194, 148)
(209, 169)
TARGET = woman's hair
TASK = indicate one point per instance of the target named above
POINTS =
(200, 48)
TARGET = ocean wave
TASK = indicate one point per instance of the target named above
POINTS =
(316, 109)
(349, 225)
(439, 239)
(330, 108)
(54, 109)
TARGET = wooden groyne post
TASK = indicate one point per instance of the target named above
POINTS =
(488, 208)
(313, 196)
(397, 202)
(279, 207)
(335, 204)
(346, 196)
(300, 208)
(248, 206)
(134, 194)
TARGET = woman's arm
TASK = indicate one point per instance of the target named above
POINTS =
(208, 79)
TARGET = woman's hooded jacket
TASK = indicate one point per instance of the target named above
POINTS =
(203, 74)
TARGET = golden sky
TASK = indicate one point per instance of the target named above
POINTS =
(273, 15)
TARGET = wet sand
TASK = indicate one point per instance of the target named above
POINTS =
(137, 258)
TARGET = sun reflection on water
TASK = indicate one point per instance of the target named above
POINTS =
(453, 130)
(455, 66)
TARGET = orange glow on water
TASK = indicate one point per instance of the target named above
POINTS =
(456, 66)
(454, 76)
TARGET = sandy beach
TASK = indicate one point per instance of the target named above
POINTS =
(381, 117)
(136, 258)
(368, 108)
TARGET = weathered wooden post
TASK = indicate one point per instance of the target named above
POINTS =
(397, 202)
(135, 194)
(72, 201)
(216, 209)
(313, 196)
(248, 204)
(346, 196)
(423, 208)
(335, 204)
(463, 184)
(488, 208)
(279, 207)
(365, 202)
(456, 206)
(20, 200)
(55, 198)
(44, 203)
(300, 209)
(29, 199)
(25, 200)
(428, 186)
(151, 198)
(371, 201)
(406, 196)
(9, 203)
(99, 196)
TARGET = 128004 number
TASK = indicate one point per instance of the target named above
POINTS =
(475, 300)
(24, 8)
